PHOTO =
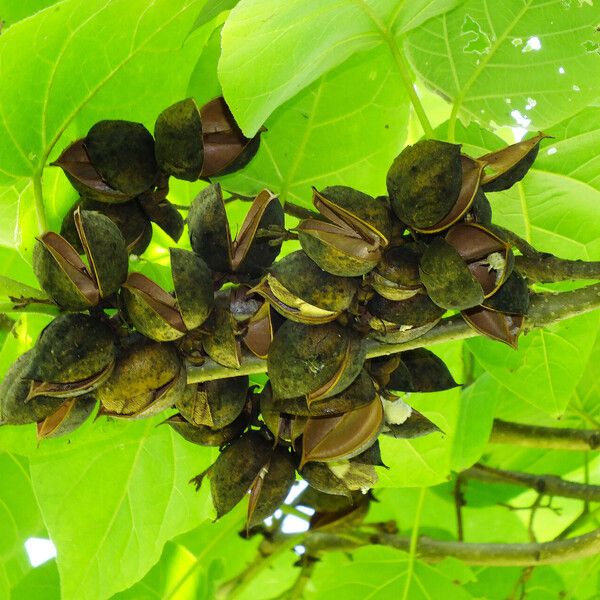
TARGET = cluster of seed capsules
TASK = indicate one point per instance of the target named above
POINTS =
(386, 268)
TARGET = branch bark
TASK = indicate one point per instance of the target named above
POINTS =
(544, 310)
(549, 485)
(552, 438)
(501, 555)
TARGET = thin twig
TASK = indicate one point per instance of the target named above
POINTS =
(549, 485)
(536, 436)
(459, 502)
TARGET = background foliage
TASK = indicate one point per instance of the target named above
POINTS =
(332, 81)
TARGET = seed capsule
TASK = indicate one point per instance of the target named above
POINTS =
(221, 342)
(301, 291)
(314, 361)
(350, 242)
(210, 237)
(70, 415)
(74, 355)
(396, 277)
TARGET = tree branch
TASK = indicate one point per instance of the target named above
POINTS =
(547, 268)
(501, 555)
(553, 438)
(549, 485)
(544, 310)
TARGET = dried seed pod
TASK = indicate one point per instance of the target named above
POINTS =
(314, 361)
(131, 220)
(467, 266)
(343, 436)
(164, 214)
(122, 153)
(396, 277)
(14, 389)
(144, 373)
(428, 373)
(162, 317)
(70, 415)
(179, 145)
(350, 242)
(403, 320)
(210, 237)
(512, 298)
(259, 331)
(495, 325)
(73, 356)
(61, 272)
(301, 291)
(480, 211)
(221, 342)
(214, 403)
(83, 176)
(207, 436)
(431, 185)
(235, 470)
(505, 167)
(283, 425)
(226, 148)
(415, 425)
(340, 478)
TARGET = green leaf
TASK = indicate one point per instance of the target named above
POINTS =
(379, 573)
(311, 39)
(41, 583)
(9, 287)
(11, 12)
(123, 493)
(357, 115)
(549, 362)
(75, 78)
(19, 518)
(525, 55)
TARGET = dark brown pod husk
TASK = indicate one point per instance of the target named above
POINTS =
(396, 277)
(215, 403)
(122, 153)
(428, 373)
(164, 214)
(350, 242)
(14, 389)
(415, 425)
(343, 436)
(285, 426)
(481, 210)
(207, 436)
(83, 176)
(131, 220)
(259, 331)
(314, 361)
(340, 478)
(271, 486)
(403, 320)
(179, 146)
(236, 468)
(68, 417)
(509, 165)
(424, 183)
(512, 298)
(73, 356)
(301, 291)
(144, 372)
(495, 325)
(221, 342)
(226, 148)
(447, 277)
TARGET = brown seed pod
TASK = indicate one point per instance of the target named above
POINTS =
(396, 277)
(215, 403)
(210, 237)
(221, 342)
(415, 425)
(350, 242)
(132, 221)
(74, 355)
(343, 436)
(70, 415)
(301, 291)
(495, 325)
(144, 374)
(207, 436)
(314, 361)
(505, 167)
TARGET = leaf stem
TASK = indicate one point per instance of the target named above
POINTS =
(414, 538)
(40, 209)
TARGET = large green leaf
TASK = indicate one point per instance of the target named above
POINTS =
(111, 501)
(379, 573)
(536, 57)
(93, 60)
(19, 518)
(272, 50)
(11, 11)
(546, 368)
(356, 116)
